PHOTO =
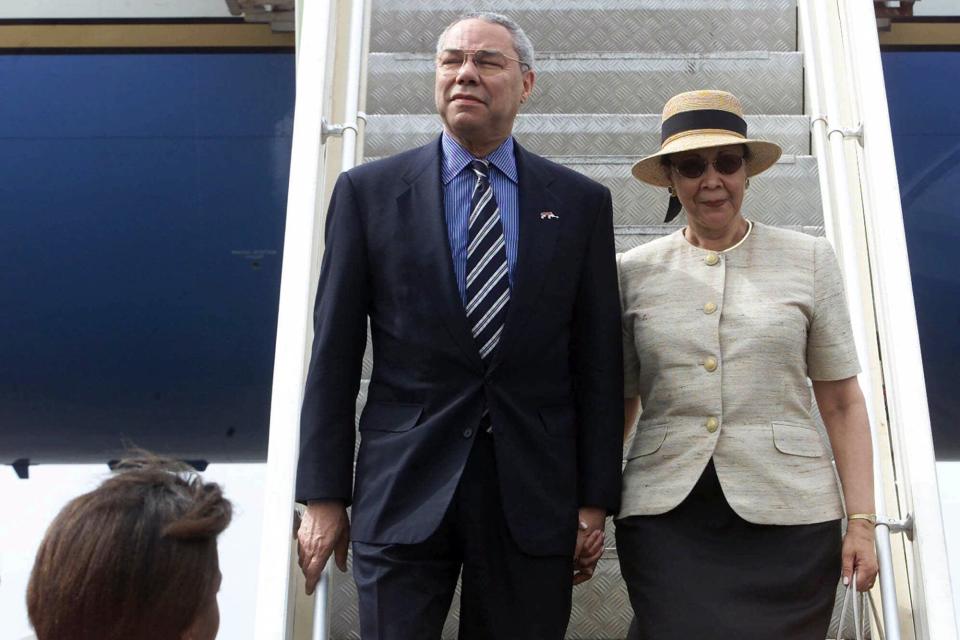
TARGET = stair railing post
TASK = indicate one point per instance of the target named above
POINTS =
(912, 440)
(300, 251)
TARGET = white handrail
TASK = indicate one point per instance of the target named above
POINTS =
(289, 368)
(348, 159)
(348, 156)
(818, 119)
(839, 226)
(897, 328)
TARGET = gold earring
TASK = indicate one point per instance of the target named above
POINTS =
(746, 185)
(672, 191)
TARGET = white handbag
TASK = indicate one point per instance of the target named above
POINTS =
(863, 609)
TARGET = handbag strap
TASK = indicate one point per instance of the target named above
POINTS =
(861, 614)
(849, 595)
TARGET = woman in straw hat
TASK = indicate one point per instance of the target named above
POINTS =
(730, 524)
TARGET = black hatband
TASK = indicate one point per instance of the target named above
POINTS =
(702, 119)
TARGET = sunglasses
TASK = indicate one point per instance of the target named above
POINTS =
(694, 166)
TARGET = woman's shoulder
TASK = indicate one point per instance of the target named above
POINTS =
(775, 245)
(780, 236)
(649, 253)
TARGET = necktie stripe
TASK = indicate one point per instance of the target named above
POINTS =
(485, 197)
(488, 278)
(485, 260)
(482, 232)
(487, 287)
(488, 347)
(489, 315)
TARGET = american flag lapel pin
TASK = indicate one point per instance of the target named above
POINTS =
(548, 215)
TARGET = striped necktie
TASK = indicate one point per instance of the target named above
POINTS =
(488, 282)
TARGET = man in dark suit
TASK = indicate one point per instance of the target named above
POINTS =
(494, 415)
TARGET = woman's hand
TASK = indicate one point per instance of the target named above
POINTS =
(586, 563)
(859, 554)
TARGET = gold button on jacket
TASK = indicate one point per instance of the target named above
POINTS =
(784, 318)
(709, 308)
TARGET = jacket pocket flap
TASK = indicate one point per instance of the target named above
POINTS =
(559, 420)
(390, 416)
(797, 439)
(648, 439)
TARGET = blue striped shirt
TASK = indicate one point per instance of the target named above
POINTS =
(458, 184)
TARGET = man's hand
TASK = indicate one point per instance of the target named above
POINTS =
(589, 543)
(325, 529)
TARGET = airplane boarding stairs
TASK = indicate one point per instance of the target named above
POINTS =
(604, 70)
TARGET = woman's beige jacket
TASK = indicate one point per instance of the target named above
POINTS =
(719, 347)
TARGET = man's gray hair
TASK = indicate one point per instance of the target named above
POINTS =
(520, 40)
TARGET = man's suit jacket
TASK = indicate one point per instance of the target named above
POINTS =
(553, 387)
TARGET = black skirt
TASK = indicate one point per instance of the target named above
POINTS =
(701, 571)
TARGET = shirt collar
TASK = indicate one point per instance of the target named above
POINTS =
(456, 158)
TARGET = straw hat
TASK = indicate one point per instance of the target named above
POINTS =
(699, 120)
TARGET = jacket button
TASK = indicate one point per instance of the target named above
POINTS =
(710, 364)
(709, 308)
(467, 432)
(712, 424)
(711, 259)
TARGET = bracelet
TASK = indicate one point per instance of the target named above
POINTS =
(869, 517)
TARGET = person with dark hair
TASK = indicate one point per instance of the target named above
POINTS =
(134, 558)
(730, 524)
(490, 437)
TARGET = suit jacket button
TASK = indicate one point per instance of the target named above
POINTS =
(712, 424)
(467, 432)
(710, 364)
(711, 259)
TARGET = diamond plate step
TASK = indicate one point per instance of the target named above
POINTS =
(601, 607)
(786, 194)
(694, 26)
(576, 134)
(768, 83)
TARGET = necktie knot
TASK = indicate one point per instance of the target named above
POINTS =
(481, 168)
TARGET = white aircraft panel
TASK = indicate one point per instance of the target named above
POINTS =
(948, 479)
(28, 506)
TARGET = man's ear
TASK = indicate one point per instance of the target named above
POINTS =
(529, 78)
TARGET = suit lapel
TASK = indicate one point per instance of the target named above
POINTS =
(537, 239)
(423, 201)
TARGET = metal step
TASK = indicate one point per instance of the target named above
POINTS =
(576, 134)
(596, 109)
(787, 194)
(770, 83)
(600, 605)
(692, 26)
